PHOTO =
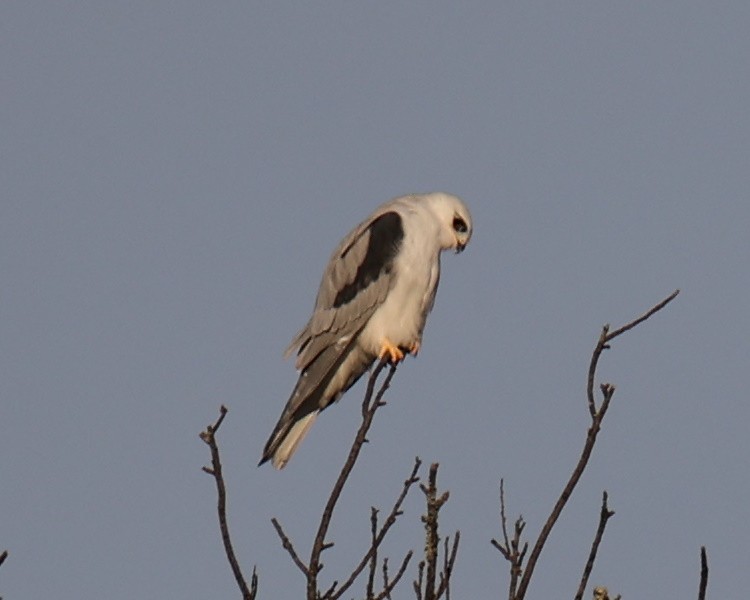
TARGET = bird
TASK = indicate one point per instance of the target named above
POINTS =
(374, 297)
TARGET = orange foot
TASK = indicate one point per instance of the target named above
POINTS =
(395, 354)
(392, 353)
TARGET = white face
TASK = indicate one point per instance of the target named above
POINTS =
(456, 220)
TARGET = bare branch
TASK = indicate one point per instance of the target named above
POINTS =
(704, 575)
(510, 548)
(209, 437)
(427, 574)
(431, 528)
(449, 560)
(562, 500)
(642, 318)
(607, 337)
(329, 591)
(370, 405)
(374, 551)
(289, 547)
(604, 516)
(503, 521)
(3, 556)
(388, 586)
(417, 583)
(386, 579)
(597, 416)
(387, 524)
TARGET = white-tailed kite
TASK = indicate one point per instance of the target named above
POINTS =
(373, 301)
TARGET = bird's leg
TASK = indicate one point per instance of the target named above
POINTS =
(388, 351)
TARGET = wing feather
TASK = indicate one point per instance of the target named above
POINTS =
(355, 283)
(329, 375)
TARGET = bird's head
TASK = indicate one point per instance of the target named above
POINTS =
(455, 220)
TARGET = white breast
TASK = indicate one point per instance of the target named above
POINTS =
(401, 317)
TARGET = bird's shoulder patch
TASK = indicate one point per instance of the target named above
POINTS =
(384, 237)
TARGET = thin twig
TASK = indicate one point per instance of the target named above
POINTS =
(606, 337)
(386, 579)
(374, 552)
(597, 415)
(431, 530)
(520, 524)
(642, 318)
(387, 524)
(566, 493)
(449, 560)
(209, 437)
(434, 589)
(388, 587)
(329, 591)
(3, 556)
(286, 543)
(604, 516)
(510, 548)
(417, 583)
(503, 519)
(704, 575)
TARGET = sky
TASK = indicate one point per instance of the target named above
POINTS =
(174, 178)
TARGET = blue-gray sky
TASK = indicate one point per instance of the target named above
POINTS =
(174, 178)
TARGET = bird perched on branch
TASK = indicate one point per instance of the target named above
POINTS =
(377, 290)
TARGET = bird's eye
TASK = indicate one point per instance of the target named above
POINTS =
(459, 225)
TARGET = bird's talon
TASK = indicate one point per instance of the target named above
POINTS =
(391, 353)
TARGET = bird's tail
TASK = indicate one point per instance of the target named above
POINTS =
(286, 447)
(323, 381)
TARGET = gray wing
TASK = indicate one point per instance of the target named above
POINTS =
(355, 283)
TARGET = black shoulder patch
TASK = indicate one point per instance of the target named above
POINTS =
(386, 234)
